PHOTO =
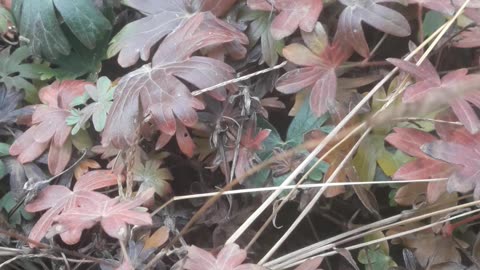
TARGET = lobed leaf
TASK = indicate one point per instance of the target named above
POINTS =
(382, 18)
(38, 23)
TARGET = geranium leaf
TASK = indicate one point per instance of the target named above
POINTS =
(10, 100)
(137, 38)
(49, 127)
(14, 73)
(292, 15)
(38, 23)
(320, 61)
(58, 198)
(102, 96)
(152, 175)
(259, 30)
(112, 214)
(229, 258)
(369, 11)
(443, 6)
(304, 122)
(428, 85)
(157, 91)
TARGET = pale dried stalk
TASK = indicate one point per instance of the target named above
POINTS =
(386, 238)
(315, 249)
(306, 186)
(323, 143)
(314, 199)
(239, 79)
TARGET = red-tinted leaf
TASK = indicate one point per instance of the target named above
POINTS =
(58, 198)
(369, 11)
(292, 15)
(423, 169)
(311, 264)
(324, 91)
(49, 127)
(301, 14)
(217, 7)
(260, 5)
(229, 258)
(249, 145)
(158, 92)
(429, 85)
(443, 6)
(200, 31)
(113, 215)
(321, 60)
(137, 38)
(409, 140)
(301, 55)
(467, 157)
(468, 39)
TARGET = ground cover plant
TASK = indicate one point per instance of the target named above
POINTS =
(239, 134)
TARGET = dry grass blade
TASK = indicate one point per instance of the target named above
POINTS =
(397, 220)
(397, 235)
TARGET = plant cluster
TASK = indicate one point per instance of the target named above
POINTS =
(121, 121)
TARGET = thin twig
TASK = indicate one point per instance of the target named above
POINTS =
(32, 256)
(456, 123)
(239, 79)
(73, 253)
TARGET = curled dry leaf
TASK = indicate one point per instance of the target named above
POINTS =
(49, 129)
(423, 242)
(157, 239)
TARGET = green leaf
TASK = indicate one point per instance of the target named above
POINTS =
(375, 259)
(365, 160)
(8, 202)
(81, 60)
(14, 73)
(84, 20)
(4, 149)
(41, 29)
(317, 173)
(5, 18)
(3, 169)
(303, 122)
(271, 141)
(82, 140)
(259, 30)
(258, 179)
(150, 174)
(433, 20)
(102, 96)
